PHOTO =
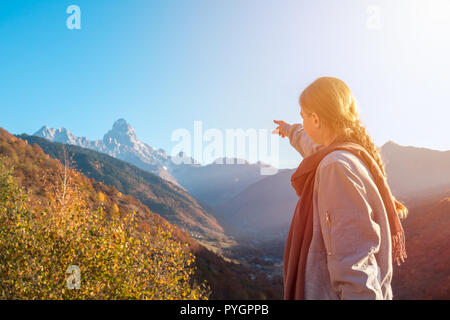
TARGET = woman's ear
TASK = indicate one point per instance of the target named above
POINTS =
(316, 120)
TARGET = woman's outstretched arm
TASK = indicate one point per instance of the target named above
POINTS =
(298, 138)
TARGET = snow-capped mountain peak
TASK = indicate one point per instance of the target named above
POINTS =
(121, 133)
(58, 135)
(120, 142)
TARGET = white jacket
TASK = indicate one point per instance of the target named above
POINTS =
(350, 253)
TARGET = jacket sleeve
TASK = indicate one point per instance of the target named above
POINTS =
(350, 235)
(299, 139)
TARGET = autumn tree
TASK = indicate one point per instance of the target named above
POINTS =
(115, 261)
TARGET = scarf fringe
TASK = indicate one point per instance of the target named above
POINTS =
(398, 248)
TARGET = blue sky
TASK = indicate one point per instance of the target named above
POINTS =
(162, 65)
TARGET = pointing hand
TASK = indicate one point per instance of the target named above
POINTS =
(283, 128)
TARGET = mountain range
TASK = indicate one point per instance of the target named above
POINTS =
(413, 171)
(122, 143)
(248, 203)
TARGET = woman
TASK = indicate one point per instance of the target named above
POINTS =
(345, 230)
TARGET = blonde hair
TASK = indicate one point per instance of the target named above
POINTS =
(332, 100)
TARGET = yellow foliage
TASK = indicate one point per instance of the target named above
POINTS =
(115, 209)
(101, 197)
(115, 261)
